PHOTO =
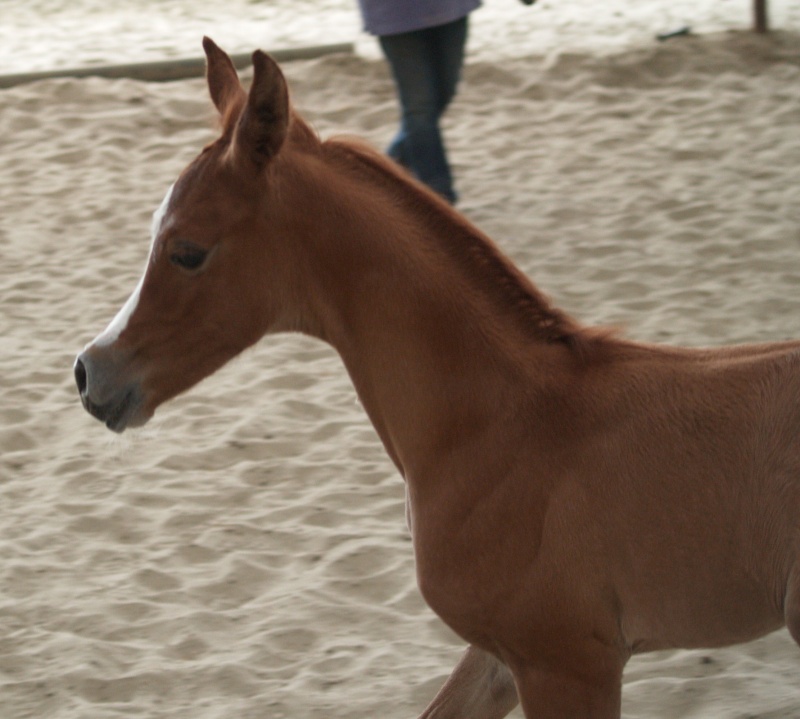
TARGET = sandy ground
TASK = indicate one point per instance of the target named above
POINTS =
(245, 555)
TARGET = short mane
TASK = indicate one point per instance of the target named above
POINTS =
(473, 251)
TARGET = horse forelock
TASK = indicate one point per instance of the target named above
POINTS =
(472, 251)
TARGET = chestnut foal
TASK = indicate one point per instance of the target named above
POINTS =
(574, 498)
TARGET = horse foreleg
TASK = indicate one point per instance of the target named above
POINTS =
(791, 603)
(559, 692)
(480, 687)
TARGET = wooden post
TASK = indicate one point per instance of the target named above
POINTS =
(760, 23)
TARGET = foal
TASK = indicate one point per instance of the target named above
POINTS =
(574, 498)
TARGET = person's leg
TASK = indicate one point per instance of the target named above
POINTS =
(418, 145)
(449, 42)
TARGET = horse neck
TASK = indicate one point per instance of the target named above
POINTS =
(435, 335)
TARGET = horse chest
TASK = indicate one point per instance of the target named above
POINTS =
(461, 574)
(459, 598)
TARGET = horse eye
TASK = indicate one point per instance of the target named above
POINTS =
(188, 258)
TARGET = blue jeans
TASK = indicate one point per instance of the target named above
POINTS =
(426, 65)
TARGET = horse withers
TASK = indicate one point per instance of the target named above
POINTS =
(574, 498)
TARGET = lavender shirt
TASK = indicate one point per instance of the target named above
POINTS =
(390, 17)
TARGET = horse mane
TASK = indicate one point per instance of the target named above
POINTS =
(475, 253)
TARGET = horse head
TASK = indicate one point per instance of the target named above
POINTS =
(202, 298)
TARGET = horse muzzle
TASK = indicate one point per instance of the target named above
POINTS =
(106, 395)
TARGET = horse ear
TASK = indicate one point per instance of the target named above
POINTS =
(226, 91)
(265, 121)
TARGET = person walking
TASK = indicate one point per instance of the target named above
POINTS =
(423, 42)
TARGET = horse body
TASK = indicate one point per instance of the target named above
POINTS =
(634, 497)
(674, 484)
(573, 497)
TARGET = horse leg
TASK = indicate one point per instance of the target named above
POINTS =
(560, 692)
(480, 687)
(791, 604)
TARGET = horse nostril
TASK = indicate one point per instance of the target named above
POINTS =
(80, 375)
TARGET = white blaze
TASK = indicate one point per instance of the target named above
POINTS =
(120, 321)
